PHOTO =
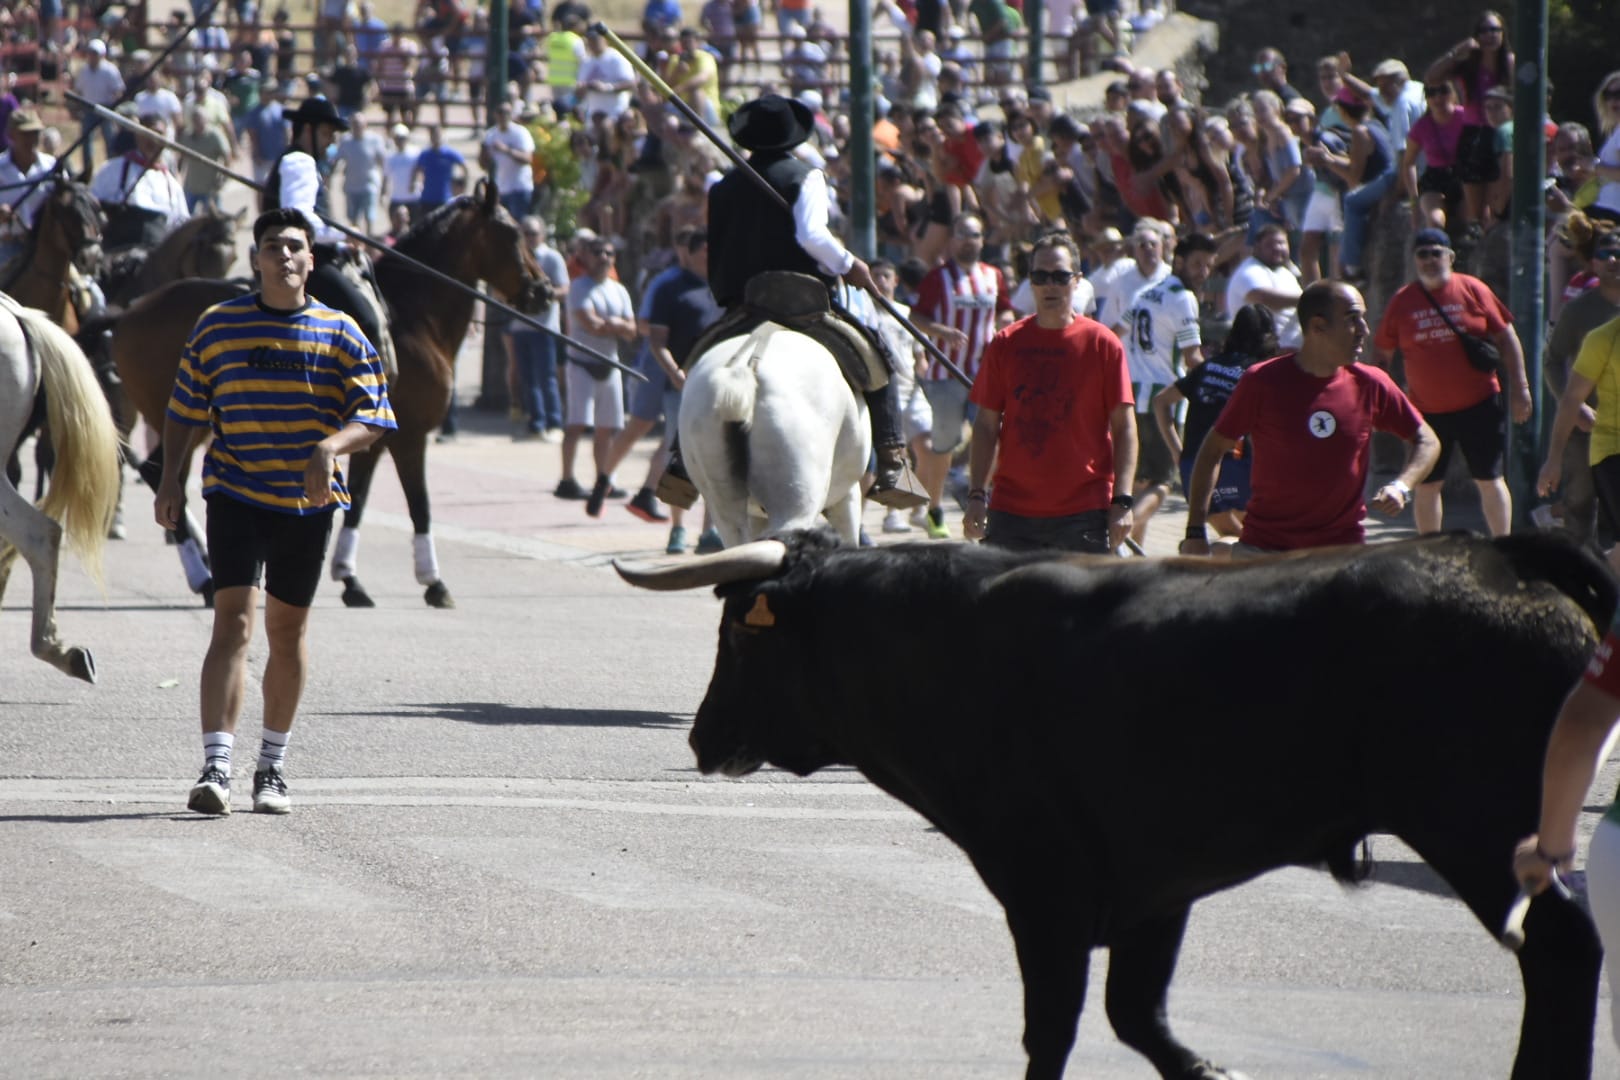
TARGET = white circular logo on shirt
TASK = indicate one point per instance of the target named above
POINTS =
(1323, 424)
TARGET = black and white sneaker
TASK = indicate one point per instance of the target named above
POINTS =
(212, 792)
(270, 792)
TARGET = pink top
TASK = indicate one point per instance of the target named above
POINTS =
(1439, 144)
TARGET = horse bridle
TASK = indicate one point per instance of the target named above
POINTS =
(76, 245)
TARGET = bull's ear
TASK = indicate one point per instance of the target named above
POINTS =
(489, 196)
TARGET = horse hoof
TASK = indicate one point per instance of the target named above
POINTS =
(81, 665)
(207, 593)
(356, 596)
(438, 595)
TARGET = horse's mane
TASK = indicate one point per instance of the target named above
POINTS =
(84, 204)
(428, 236)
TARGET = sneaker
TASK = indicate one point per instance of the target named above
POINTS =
(677, 541)
(1544, 518)
(551, 435)
(569, 489)
(866, 538)
(894, 523)
(645, 507)
(617, 492)
(919, 518)
(935, 525)
(593, 505)
(212, 792)
(270, 791)
(709, 542)
(445, 437)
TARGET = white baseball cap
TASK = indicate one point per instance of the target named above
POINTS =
(98, 47)
(400, 131)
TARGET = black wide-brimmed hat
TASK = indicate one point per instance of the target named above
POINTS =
(317, 110)
(772, 122)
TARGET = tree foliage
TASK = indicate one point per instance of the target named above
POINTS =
(1583, 45)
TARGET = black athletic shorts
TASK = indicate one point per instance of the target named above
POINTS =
(1154, 465)
(1479, 430)
(248, 544)
(1477, 162)
(1443, 182)
(1606, 478)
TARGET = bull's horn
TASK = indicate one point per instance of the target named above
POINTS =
(760, 559)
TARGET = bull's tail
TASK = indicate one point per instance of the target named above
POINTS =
(736, 383)
(1575, 571)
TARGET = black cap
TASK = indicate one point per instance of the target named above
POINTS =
(1039, 93)
(771, 122)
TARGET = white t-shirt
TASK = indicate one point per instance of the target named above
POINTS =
(130, 181)
(160, 102)
(1083, 300)
(610, 67)
(510, 174)
(400, 169)
(604, 299)
(1253, 274)
(1124, 289)
(1161, 322)
(1609, 194)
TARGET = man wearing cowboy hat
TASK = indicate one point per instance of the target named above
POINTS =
(749, 234)
(19, 166)
(143, 200)
(297, 181)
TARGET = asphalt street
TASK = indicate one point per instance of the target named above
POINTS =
(501, 862)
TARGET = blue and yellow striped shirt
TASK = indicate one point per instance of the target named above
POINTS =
(271, 384)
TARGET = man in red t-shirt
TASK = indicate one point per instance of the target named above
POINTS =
(1458, 401)
(1309, 416)
(1054, 397)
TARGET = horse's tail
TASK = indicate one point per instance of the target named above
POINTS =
(736, 382)
(83, 493)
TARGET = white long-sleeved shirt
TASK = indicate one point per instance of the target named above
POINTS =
(300, 184)
(810, 212)
(132, 181)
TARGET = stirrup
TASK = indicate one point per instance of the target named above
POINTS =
(904, 492)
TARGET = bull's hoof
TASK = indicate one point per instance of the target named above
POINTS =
(438, 595)
(81, 665)
(207, 593)
(354, 595)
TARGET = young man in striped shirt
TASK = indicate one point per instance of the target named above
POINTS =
(961, 304)
(287, 385)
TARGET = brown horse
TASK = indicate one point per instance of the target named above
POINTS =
(471, 239)
(203, 247)
(66, 239)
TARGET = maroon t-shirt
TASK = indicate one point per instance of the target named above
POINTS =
(1312, 440)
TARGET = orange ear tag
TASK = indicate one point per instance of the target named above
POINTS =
(760, 613)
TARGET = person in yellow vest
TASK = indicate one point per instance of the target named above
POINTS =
(695, 76)
(565, 51)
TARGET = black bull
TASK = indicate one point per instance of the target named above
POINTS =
(1404, 688)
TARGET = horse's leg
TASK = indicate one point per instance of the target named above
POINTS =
(346, 551)
(845, 516)
(39, 540)
(410, 462)
(188, 535)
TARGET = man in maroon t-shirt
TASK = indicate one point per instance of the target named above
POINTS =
(1309, 416)
(1057, 421)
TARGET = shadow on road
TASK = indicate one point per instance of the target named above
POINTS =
(95, 819)
(490, 712)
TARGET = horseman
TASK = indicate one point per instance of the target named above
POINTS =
(21, 166)
(142, 198)
(298, 180)
(751, 235)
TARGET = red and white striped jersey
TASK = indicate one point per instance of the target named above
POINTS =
(969, 301)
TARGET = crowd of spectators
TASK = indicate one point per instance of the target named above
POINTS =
(1279, 185)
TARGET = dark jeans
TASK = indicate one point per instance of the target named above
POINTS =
(536, 356)
(1085, 532)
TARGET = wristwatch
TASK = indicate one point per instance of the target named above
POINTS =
(1125, 502)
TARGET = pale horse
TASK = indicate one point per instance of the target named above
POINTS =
(38, 356)
(774, 437)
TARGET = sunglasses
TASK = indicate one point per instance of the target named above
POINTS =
(1430, 252)
(604, 252)
(1488, 29)
(1436, 91)
(1605, 254)
(1258, 68)
(970, 236)
(1052, 277)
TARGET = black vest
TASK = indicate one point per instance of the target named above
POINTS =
(749, 234)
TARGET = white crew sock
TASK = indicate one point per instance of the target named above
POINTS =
(217, 749)
(272, 748)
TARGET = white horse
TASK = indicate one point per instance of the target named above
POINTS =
(774, 437)
(35, 355)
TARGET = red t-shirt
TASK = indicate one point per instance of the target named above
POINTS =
(1312, 438)
(1438, 375)
(962, 159)
(1055, 390)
